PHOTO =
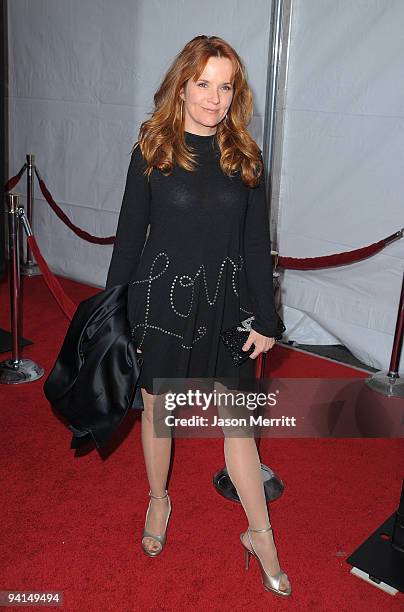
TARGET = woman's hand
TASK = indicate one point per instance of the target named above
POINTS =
(262, 343)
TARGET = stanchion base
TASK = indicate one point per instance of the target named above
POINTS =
(379, 561)
(13, 373)
(30, 269)
(386, 385)
(273, 486)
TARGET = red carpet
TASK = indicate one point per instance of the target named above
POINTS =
(73, 523)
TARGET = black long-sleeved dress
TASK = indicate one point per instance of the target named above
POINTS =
(206, 265)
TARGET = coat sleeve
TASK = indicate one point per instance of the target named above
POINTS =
(258, 261)
(133, 222)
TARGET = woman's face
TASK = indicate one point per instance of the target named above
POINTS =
(207, 100)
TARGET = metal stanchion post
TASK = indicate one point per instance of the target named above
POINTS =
(30, 268)
(16, 370)
(390, 384)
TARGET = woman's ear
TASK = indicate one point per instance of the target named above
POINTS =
(182, 92)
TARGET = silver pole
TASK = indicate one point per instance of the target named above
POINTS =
(278, 63)
(273, 69)
(30, 268)
(15, 286)
(16, 370)
(278, 47)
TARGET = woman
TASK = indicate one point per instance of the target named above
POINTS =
(196, 176)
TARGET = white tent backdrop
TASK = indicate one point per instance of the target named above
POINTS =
(82, 77)
(342, 180)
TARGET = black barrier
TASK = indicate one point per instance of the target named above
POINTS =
(380, 559)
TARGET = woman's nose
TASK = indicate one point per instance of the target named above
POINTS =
(214, 97)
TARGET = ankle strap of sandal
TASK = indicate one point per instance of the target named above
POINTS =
(158, 496)
(260, 530)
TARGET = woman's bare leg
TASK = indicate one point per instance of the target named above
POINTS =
(244, 468)
(157, 453)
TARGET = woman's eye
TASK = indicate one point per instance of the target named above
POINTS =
(227, 87)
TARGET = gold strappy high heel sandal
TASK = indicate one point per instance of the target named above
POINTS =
(161, 539)
(271, 583)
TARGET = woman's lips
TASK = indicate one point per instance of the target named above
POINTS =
(208, 110)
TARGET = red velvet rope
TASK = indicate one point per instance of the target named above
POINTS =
(11, 183)
(65, 303)
(338, 259)
(63, 217)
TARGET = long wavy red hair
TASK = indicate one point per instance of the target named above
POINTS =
(161, 138)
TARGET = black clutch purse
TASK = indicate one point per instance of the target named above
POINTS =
(235, 337)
